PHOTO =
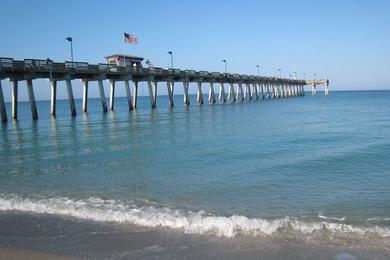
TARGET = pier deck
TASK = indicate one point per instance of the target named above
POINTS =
(248, 87)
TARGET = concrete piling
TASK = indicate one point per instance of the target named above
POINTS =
(222, 95)
(186, 85)
(135, 94)
(70, 97)
(85, 96)
(3, 110)
(211, 93)
(31, 97)
(231, 93)
(112, 94)
(102, 95)
(170, 88)
(199, 97)
(15, 99)
(128, 95)
(53, 100)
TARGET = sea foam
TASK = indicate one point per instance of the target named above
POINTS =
(97, 209)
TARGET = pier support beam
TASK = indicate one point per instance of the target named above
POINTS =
(269, 90)
(247, 91)
(102, 95)
(199, 97)
(273, 88)
(211, 94)
(135, 94)
(222, 95)
(152, 87)
(231, 93)
(240, 93)
(15, 99)
(128, 95)
(313, 90)
(256, 90)
(85, 96)
(70, 97)
(112, 95)
(3, 111)
(53, 101)
(31, 97)
(170, 88)
(261, 90)
(186, 85)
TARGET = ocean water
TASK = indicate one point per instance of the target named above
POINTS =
(297, 167)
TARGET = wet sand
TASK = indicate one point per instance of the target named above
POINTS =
(33, 236)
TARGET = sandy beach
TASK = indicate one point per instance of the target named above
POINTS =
(25, 236)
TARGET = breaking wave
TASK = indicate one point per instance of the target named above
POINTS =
(200, 222)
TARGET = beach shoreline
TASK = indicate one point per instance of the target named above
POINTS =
(41, 236)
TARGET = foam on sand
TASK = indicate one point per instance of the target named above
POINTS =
(200, 222)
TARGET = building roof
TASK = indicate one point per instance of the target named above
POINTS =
(128, 57)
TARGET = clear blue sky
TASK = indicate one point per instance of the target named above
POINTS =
(346, 41)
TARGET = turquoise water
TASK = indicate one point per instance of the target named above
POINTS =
(304, 164)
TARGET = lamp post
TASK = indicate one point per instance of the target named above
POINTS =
(258, 70)
(70, 39)
(224, 61)
(295, 75)
(315, 76)
(171, 53)
(304, 76)
(280, 73)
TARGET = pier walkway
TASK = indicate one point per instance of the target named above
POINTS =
(239, 87)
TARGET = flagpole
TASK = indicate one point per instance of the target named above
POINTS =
(124, 49)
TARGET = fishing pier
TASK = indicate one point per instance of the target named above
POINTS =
(240, 88)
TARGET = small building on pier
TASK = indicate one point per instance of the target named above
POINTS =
(125, 60)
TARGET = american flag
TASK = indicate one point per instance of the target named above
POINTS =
(130, 38)
(149, 63)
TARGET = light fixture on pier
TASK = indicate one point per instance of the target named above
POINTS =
(315, 76)
(70, 39)
(171, 53)
(258, 70)
(280, 73)
(224, 61)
